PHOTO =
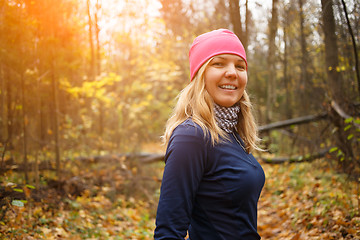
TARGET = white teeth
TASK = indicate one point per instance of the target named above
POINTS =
(228, 87)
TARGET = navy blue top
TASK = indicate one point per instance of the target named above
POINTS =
(210, 191)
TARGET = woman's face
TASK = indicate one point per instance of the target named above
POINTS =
(225, 79)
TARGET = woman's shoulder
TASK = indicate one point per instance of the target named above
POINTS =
(190, 129)
(187, 138)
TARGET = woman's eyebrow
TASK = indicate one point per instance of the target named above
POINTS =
(219, 57)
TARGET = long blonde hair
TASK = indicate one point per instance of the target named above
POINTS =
(195, 102)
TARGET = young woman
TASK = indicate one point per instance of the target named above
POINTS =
(211, 182)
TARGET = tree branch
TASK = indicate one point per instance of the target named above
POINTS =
(294, 121)
(342, 113)
(306, 158)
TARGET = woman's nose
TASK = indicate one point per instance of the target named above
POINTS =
(230, 72)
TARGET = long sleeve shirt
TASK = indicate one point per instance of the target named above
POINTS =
(210, 191)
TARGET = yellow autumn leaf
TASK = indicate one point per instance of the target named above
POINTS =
(149, 97)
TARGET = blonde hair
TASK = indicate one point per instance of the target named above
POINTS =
(195, 102)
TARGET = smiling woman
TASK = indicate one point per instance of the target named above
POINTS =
(211, 182)
(225, 79)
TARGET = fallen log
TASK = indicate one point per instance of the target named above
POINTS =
(153, 158)
(11, 165)
(145, 158)
(295, 159)
(111, 157)
(276, 160)
(293, 121)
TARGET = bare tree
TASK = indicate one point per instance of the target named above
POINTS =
(247, 25)
(92, 60)
(336, 88)
(286, 78)
(24, 126)
(331, 51)
(97, 31)
(235, 18)
(98, 66)
(2, 102)
(55, 117)
(271, 85)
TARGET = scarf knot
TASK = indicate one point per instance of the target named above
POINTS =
(227, 117)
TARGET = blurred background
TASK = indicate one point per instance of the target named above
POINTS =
(101, 76)
(92, 79)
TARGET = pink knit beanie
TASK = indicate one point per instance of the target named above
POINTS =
(213, 43)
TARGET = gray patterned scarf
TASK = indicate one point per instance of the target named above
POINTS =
(227, 117)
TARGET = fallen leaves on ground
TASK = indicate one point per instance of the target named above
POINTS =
(85, 217)
(299, 201)
(308, 201)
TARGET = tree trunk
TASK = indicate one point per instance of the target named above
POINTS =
(9, 109)
(235, 18)
(39, 120)
(221, 17)
(43, 125)
(2, 104)
(247, 23)
(55, 108)
(2, 116)
(97, 31)
(331, 51)
(336, 90)
(304, 58)
(288, 107)
(92, 60)
(271, 86)
(98, 69)
(24, 127)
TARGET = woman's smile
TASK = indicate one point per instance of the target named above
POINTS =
(228, 87)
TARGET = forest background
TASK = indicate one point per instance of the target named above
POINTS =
(86, 87)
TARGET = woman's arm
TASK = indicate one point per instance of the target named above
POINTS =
(185, 161)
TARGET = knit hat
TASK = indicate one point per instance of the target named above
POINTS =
(210, 44)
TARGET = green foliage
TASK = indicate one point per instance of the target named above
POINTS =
(349, 158)
(333, 149)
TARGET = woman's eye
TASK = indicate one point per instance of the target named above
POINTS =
(217, 64)
(242, 67)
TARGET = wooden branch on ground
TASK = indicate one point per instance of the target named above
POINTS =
(307, 158)
(294, 121)
(110, 157)
(153, 158)
(296, 159)
(11, 165)
(143, 158)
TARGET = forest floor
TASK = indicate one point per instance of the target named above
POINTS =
(117, 199)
